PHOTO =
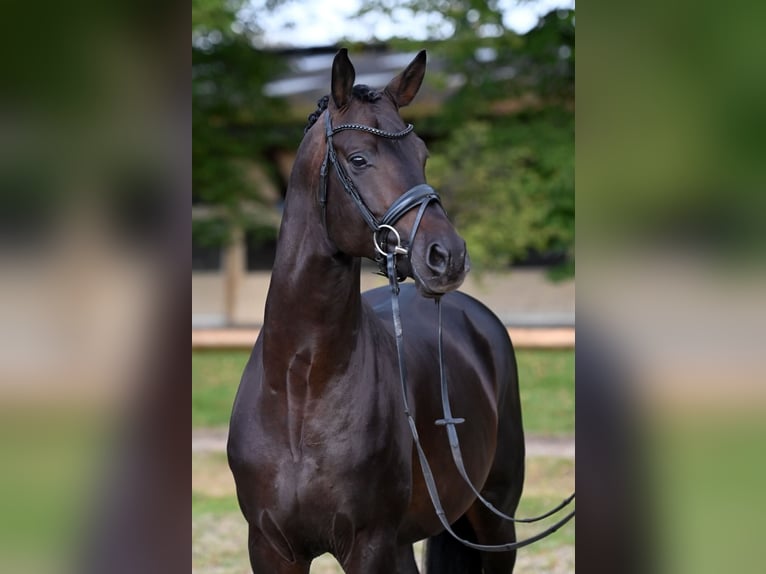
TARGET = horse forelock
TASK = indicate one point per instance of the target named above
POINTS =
(373, 108)
(365, 93)
(360, 92)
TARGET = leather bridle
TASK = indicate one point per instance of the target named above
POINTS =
(420, 195)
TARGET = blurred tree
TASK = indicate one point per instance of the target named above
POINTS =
(230, 119)
(504, 153)
(508, 186)
(502, 146)
(209, 15)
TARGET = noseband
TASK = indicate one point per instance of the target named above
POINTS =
(420, 195)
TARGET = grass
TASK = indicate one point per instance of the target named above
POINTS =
(546, 379)
(548, 481)
(50, 458)
(215, 378)
(219, 532)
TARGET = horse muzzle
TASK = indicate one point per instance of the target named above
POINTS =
(441, 267)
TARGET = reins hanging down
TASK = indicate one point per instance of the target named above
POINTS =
(426, 468)
(420, 195)
(449, 423)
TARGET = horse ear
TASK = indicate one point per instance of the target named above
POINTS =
(404, 86)
(343, 75)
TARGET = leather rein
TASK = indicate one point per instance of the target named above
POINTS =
(421, 195)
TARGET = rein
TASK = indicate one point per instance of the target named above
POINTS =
(457, 456)
(450, 422)
(420, 195)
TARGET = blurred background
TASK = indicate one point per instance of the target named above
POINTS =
(497, 114)
(95, 251)
(496, 111)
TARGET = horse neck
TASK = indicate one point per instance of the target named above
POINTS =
(313, 308)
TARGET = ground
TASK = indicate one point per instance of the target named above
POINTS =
(219, 532)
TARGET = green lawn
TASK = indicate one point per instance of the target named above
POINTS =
(50, 455)
(215, 378)
(546, 379)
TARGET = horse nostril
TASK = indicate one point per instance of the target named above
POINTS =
(438, 259)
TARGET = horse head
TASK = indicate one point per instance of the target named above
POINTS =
(372, 191)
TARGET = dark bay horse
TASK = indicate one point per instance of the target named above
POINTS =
(319, 443)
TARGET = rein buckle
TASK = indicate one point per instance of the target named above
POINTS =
(451, 421)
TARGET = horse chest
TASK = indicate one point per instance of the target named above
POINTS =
(336, 452)
(340, 435)
(321, 497)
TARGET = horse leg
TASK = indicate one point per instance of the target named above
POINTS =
(490, 529)
(445, 555)
(374, 553)
(405, 560)
(502, 488)
(264, 559)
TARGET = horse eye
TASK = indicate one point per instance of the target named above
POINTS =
(358, 161)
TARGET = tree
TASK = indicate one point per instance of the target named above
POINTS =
(508, 186)
(230, 119)
(502, 145)
(503, 157)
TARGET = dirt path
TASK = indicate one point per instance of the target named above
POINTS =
(214, 440)
(522, 337)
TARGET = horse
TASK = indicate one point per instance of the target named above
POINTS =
(319, 442)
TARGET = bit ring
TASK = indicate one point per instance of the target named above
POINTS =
(398, 249)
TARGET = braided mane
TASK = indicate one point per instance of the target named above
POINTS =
(361, 92)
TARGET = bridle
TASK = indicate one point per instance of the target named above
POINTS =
(420, 195)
